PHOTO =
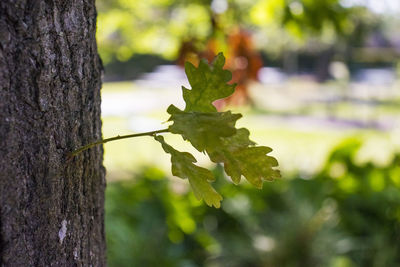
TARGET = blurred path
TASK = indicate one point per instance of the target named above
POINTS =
(295, 101)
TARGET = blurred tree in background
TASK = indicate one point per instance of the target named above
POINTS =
(162, 27)
(189, 30)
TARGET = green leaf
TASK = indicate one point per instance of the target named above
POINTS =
(209, 83)
(215, 132)
(242, 158)
(199, 178)
(202, 129)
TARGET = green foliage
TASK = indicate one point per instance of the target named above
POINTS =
(240, 157)
(214, 132)
(148, 27)
(202, 129)
(209, 83)
(199, 178)
(160, 27)
(346, 215)
(313, 16)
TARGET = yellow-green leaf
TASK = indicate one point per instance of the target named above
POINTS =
(214, 133)
(209, 83)
(242, 158)
(202, 129)
(199, 178)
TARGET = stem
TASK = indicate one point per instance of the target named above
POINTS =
(118, 137)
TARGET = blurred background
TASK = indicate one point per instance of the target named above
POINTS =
(318, 81)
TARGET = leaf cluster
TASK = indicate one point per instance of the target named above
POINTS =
(215, 134)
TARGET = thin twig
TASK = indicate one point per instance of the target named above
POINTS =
(118, 137)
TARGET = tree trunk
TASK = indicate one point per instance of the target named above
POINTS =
(51, 209)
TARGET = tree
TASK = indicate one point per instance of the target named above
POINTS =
(51, 209)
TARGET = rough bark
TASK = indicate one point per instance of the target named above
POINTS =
(51, 209)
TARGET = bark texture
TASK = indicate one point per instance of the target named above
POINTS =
(51, 209)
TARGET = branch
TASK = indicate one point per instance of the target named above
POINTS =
(118, 137)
